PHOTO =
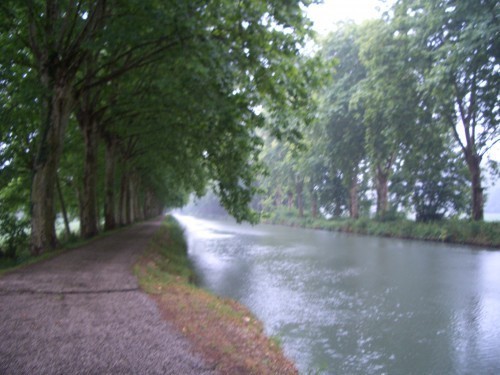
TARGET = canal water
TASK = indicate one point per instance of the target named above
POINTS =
(347, 304)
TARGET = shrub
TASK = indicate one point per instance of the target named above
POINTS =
(13, 234)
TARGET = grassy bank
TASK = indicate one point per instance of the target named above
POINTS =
(230, 338)
(453, 231)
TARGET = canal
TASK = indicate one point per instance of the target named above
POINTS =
(347, 304)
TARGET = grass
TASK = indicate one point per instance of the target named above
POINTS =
(227, 334)
(452, 231)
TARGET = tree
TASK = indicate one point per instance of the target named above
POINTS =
(461, 41)
(388, 97)
(344, 130)
(244, 54)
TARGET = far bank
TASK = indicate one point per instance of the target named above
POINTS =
(466, 232)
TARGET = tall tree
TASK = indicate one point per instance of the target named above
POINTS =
(55, 34)
(245, 54)
(461, 41)
(344, 128)
(389, 101)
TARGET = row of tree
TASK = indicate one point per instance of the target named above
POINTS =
(113, 110)
(411, 111)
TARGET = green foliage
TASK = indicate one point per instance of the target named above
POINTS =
(458, 40)
(13, 233)
(172, 89)
(409, 114)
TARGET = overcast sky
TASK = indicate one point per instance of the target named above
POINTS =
(330, 12)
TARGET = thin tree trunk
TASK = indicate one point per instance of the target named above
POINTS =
(109, 188)
(279, 199)
(353, 197)
(89, 218)
(139, 213)
(474, 165)
(63, 207)
(131, 201)
(123, 198)
(382, 188)
(290, 200)
(299, 187)
(314, 204)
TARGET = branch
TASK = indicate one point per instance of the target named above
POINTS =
(488, 148)
(457, 137)
(133, 63)
(66, 43)
(465, 119)
(472, 112)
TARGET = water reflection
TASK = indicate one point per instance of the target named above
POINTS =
(353, 304)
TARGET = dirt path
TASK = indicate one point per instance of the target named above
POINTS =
(82, 313)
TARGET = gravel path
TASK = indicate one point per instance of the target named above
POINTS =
(82, 313)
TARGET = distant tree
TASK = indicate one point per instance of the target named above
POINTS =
(344, 130)
(388, 98)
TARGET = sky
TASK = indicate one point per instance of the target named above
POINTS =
(328, 13)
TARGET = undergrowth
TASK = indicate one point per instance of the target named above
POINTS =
(453, 231)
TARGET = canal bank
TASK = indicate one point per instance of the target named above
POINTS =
(343, 303)
(465, 232)
(228, 335)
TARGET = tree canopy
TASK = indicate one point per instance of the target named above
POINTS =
(407, 117)
(113, 110)
(125, 107)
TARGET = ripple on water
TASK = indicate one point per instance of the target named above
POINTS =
(348, 304)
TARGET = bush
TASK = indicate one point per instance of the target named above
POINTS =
(13, 234)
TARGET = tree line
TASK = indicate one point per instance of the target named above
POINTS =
(405, 121)
(113, 110)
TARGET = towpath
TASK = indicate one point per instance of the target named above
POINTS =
(83, 313)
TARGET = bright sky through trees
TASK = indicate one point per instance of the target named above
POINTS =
(328, 13)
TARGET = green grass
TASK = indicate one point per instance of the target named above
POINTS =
(453, 231)
(165, 259)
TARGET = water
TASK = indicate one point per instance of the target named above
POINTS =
(345, 304)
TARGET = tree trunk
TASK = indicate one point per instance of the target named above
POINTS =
(138, 212)
(58, 104)
(278, 197)
(89, 218)
(147, 205)
(290, 199)
(109, 185)
(124, 185)
(314, 204)
(299, 187)
(63, 207)
(382, 188)
(353, 197)
(474, 165)
(337, 211)
(130, 201)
